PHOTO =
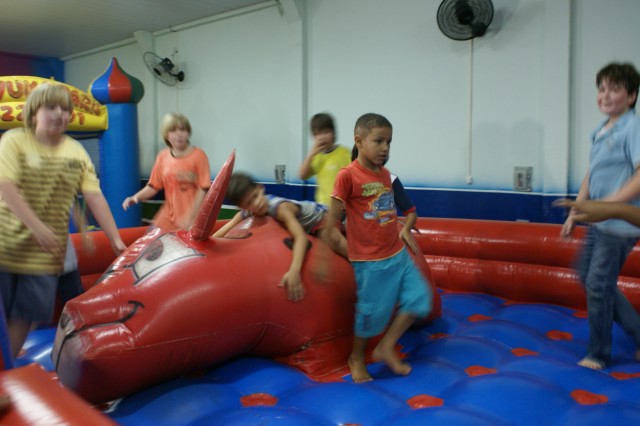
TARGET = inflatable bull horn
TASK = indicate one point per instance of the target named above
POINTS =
(206, 218)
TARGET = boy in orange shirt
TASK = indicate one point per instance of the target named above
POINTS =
(386, 276)
(182, 170)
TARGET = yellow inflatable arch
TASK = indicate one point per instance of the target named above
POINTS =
(88, 114)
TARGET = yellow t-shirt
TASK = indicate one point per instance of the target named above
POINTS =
(325, 166)
(48, 178)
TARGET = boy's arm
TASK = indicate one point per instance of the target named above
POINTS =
(306, 171)
(144, 194)
(629, 191)
(197, 201)
(333, 217)
(570, 223)
(203, 181)
(596, 211)
(100, 210)
(42, 233)
(583, 193)
(286, 214)
(321, 268)
(623, 211)
(406, 235)
(406, 206)
(236, 219)
(319, 143)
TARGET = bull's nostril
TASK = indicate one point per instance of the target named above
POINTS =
(64, 320)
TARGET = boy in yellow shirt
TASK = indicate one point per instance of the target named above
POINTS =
(325, 158)
(41, 171)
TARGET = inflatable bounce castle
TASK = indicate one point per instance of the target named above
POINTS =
(187, 329)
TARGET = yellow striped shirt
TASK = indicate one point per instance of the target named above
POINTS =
(48, 178)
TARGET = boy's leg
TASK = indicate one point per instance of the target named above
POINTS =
(608, 255)
(27, 299)
(626, 315)
(18, 331)
(375, 300)
(582, 268)
(385, 350)
(69, 286)
(357, 364)
(414, 300)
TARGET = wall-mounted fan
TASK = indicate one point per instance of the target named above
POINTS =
(163, 68)
(464, 19)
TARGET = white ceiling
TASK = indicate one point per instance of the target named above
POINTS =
(61, 28)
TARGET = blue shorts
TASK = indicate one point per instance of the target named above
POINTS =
(384, 285)
(28, 297)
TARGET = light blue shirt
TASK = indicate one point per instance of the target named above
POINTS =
(615, 154)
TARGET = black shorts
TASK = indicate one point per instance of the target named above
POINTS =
(28, 297)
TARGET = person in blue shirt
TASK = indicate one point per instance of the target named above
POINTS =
(612, 177)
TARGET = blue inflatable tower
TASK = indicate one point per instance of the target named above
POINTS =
(119, 155)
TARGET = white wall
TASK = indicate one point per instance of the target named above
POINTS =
(242, 88)
(390, 58)
(254, 78)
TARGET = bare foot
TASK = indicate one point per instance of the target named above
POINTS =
(389, 357)
(589, 363)
(359, 372)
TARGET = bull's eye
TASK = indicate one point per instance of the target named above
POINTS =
(166, 250)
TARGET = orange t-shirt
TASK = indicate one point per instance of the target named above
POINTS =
(372, 219)
(180, 178)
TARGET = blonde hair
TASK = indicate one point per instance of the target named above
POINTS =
(43, 95)
(173, 121)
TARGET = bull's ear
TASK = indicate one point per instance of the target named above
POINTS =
(210, 209)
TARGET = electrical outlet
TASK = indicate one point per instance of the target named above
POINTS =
(522, 178)
(280, 170)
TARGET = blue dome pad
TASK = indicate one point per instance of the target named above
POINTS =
(484, 362)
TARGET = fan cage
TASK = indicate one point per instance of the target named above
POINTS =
(162, 68)
(464, 19)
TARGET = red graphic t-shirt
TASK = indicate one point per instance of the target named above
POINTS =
(372, 229)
